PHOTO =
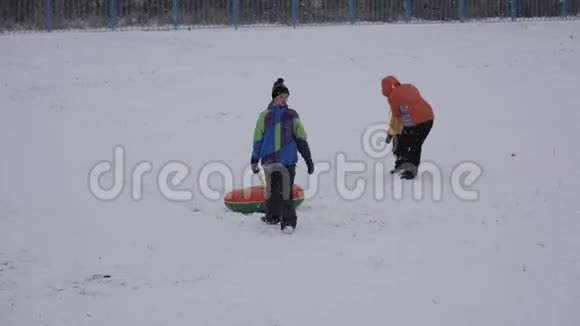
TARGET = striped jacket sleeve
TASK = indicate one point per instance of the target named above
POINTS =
(258, 138)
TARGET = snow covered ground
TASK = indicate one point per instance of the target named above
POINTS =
(506, 101)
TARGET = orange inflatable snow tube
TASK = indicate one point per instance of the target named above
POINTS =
(251, 199)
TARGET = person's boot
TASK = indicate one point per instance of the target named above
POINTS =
(395, 170)
(409, 171)
(271, 219)
(399, 165)
(288, 229)
(289, 218)
(408, 175)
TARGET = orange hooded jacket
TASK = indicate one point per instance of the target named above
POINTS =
(408, 107)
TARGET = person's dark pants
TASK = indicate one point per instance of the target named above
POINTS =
(409, 145)
(279, 201)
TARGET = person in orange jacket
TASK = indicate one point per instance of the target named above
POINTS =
(410, 124)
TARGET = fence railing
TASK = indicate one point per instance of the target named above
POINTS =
(118, 14)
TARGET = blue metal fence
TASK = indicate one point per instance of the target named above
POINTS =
(157, 14)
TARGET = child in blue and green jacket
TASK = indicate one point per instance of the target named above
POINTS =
(278, 137)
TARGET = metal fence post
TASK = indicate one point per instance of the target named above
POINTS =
(407, 10)
(174, 16)
(113, 13)
(514, 9)
(564, 8)
(48, 15)
(461, 10)
(294, 13)
(236, 13)
(352, 10)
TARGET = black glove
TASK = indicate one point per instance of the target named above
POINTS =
(255, 168)
(310, 166)
(389, 138)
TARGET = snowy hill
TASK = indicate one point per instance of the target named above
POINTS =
(500, 247)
